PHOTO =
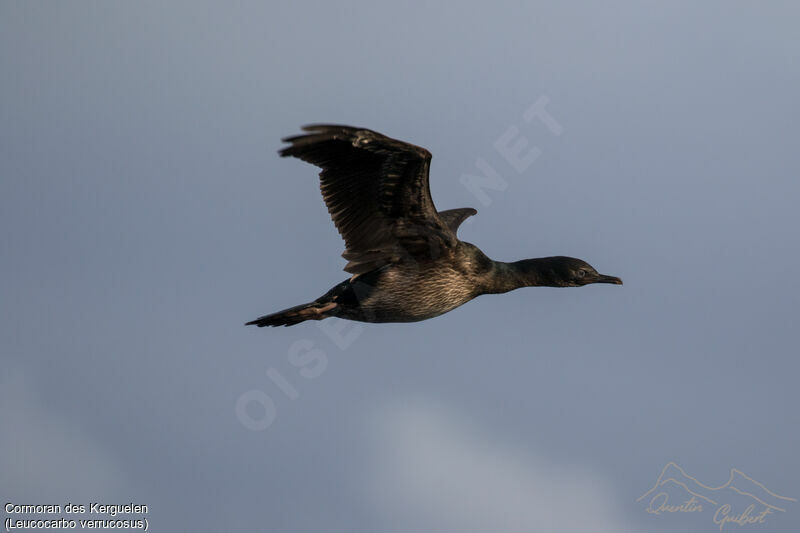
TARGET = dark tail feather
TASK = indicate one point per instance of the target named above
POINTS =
(294, 315)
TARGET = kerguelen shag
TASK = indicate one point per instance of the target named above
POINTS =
(405, 259)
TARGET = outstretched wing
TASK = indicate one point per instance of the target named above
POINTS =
(376, 190)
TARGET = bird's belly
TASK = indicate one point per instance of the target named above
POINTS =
(409, 297)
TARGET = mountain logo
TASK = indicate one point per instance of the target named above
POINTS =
(741, 500)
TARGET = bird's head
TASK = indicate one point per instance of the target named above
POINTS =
(563, 271)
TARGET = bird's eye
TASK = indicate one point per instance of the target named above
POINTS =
(581, 273)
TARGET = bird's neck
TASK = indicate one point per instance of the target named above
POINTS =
(525, 273)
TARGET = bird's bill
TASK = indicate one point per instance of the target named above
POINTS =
(609, 279)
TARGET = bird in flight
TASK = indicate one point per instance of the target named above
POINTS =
(405, 260)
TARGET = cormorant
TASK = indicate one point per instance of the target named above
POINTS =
(405, 259)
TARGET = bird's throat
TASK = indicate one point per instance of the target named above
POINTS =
(525, 273)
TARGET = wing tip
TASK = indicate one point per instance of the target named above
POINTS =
(318, 133)
(321, 127)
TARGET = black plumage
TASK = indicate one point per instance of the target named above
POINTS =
(406, 260)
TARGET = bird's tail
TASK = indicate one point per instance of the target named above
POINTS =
(294, 315)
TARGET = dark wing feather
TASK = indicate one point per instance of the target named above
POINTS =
(454, 217)
(376, 190)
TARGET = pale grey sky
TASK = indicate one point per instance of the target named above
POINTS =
(146, 216)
